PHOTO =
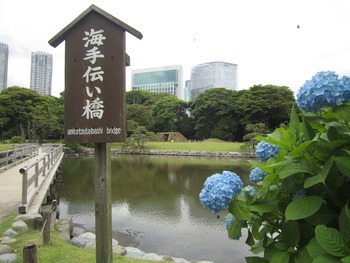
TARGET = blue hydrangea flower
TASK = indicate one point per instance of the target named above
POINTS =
(229, 219)
(256, 175)
(299, 194)
(219, 189)
(323, 90)
(265, 150)
(249, 191)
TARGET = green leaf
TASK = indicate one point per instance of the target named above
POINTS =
(309, 132)
(314, 249)
(301, 148)
(344, 111)
(344, 223)
(346, 259)
(331, 240)
(333, 134)
(290, 234)
(323, 216)
(280, 257)
(321, 177)
(326, 259)
(295, 166)
(258, 248)
(255, 260)
(294, 127)
(302, 256)
(234, 228)
(303, 207)
(239, 209)
(250, 239)
(343, 165)
(256, 229)
(264, 206)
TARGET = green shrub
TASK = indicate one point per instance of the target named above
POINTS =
(16, 139)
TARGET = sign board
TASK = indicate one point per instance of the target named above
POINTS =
(94, 77)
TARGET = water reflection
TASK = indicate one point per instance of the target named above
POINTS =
(155, 205)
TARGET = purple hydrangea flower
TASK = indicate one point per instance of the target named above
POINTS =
(249, 191)
(323, 90)
(219, 189)
(229, 219)
(265, 150)
(256, 175)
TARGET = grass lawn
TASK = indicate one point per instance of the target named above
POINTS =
(59, 251)
(209, 145)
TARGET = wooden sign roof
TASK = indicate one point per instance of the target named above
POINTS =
(60, 37)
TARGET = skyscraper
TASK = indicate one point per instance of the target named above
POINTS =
(41, 72)
(213, 75)
(166, 79)
(187, 91)
(4, 56)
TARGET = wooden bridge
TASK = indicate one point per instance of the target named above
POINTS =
(26, 174)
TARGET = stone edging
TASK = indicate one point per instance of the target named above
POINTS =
(115, 152)
(76, 236)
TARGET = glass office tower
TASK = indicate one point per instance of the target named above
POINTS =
(41, 72)
(166, 79)
(213, 75)
(4, 57)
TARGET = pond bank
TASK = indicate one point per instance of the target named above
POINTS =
(76, 236)
(114, 152)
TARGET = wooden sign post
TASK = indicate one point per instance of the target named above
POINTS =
(95, 61)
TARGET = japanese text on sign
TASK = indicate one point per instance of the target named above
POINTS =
(93, 75)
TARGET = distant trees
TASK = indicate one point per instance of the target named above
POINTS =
(217, 113)
(269, 104)
(25, 113)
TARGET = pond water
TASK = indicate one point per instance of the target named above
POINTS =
(155, 205)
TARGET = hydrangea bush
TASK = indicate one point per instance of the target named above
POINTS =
(300, 211)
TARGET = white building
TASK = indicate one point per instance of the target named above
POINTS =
(166, 79)
(4, 56)
(41, 72)
(213, 75)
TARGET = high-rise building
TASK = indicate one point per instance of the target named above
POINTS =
(4, 57)
(213, 75)
(41, 72)
(187, 91)
(166, 79)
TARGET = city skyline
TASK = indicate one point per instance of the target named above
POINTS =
(262, 37)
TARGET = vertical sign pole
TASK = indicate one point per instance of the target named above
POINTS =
(103, 220)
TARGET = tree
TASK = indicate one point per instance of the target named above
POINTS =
(137, 96)
(215, 116)
(140, 114)
(170, 114)
(139, 137)
(26, 113)
(267, 104)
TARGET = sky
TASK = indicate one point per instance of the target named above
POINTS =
(260, 36)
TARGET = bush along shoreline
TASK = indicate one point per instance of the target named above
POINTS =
(297, 206)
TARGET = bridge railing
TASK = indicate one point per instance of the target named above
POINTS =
(17, 155)
(34, 175)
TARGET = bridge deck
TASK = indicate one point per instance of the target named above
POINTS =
(11, 188)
